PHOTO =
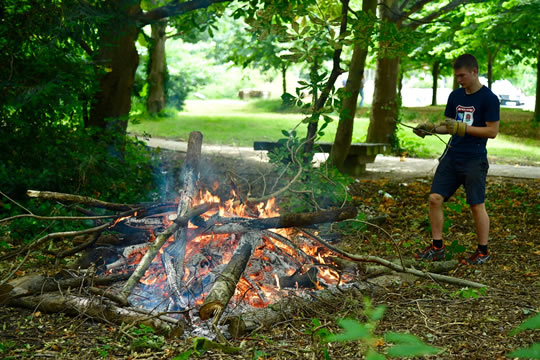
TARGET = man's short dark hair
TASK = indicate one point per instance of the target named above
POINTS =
(466, 61)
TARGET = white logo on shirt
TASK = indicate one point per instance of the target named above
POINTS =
(465, 114)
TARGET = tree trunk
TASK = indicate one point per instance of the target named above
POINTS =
(283, 78)
(455, 83)
(537, 101)
(157, 69)
(401, 75)
(343, 139)
(435, 73)
(490, 71)
(384, 109)
(118, 59)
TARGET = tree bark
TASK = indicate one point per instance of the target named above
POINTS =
(117, 61)
(435, 74)
(383, 117)
(157, 69)
(343, 139)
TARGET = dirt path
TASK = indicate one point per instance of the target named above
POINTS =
(384, 166)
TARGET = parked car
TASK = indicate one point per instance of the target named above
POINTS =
(508, 94)
(509, 100)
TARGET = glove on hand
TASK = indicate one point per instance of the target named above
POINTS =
(424, 129)
(456, 127)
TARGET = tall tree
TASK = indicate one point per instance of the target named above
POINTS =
(157, 68)
(363, 27)
(398, 17)
(117, 53)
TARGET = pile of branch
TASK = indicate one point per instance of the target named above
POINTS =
(85, 292)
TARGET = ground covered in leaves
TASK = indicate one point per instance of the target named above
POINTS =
(463, 323)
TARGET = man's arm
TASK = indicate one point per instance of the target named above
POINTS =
(489, 131)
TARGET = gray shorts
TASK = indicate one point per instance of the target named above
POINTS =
(456, 170)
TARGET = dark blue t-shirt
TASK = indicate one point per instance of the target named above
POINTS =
(473, 109)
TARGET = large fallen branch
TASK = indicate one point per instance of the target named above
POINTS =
(223, 289)
(85, 200)
(56, 235)
(394, 266)
(285, 221)
(38, 284)
(98, 308)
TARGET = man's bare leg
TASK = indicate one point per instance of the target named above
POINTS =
(436, 215)
(481, 219)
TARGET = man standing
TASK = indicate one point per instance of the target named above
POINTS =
(472, 116)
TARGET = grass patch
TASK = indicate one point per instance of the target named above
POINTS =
(239, 123)
(232, 122)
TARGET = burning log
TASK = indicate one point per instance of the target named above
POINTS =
(286, 221)
(189, 175)
(157, 244)
(307, 280)
(225, 285)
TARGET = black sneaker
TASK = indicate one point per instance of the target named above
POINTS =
(430, 253)
(477, 258)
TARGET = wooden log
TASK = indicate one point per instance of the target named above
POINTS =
(189, 177)
(99, 309)
(291, 307)
(157, 244)
(85, 200)
(37, 284)
(286, 221)
(225, 284)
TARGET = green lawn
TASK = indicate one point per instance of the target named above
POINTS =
(239, 123)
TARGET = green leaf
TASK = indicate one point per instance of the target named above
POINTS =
(529, 324)
(354, 330)
(295, 26)
(373, 355)
(201, 345)
(408, 345)
(184, 356)
(532, 352)
(378, 313)
(406, 350)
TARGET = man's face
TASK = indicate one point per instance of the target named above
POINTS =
(466, 77)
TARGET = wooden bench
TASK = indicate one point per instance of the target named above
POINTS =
(360, 154)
